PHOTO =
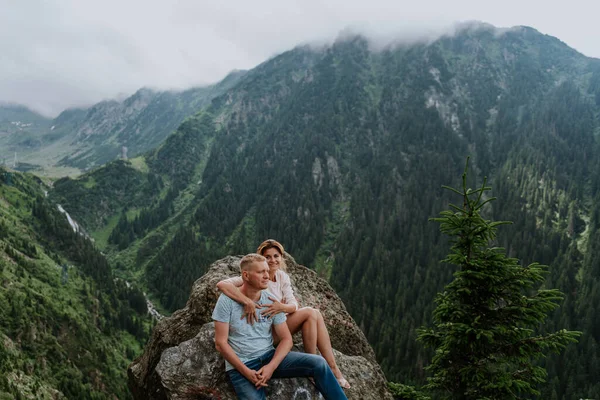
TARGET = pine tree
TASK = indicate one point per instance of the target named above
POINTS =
(483, 335)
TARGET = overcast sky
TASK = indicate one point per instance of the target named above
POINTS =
(56, 54)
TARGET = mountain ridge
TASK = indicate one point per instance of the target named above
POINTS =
(83, 138)
(340, 154)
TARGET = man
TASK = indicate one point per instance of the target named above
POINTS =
(250, 358)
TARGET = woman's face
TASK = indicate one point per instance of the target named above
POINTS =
(273, 259)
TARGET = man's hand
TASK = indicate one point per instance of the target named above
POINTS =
(264, 374)
(272, 309)
(250, 311)
(254, 377)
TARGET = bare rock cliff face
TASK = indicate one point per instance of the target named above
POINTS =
(180, 360)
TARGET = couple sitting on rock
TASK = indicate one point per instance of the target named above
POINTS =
(258, 308)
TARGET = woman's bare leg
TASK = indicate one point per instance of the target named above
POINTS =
(324, 345)
(324, 342)
(314, 335)
(305, 319)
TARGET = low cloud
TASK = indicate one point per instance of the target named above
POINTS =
(63, 53)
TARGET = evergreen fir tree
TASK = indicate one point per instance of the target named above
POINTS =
(484, 322)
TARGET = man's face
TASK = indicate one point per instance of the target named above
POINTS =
(257, 275)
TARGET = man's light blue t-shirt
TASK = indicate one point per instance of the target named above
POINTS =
(247, 341)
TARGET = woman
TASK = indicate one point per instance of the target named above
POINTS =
(307, 319)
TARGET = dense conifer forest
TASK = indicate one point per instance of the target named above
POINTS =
(68, 328)
(340, 153)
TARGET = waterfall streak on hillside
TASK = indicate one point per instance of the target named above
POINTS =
(76, 227)
(72, 222)
(152, 310)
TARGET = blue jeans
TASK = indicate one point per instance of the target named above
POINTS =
(294, 364)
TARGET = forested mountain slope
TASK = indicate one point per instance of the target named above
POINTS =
(340, 153)
(68, 329)
(89, 137)
(18, 124)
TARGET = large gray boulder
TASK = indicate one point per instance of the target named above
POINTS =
(180, 360)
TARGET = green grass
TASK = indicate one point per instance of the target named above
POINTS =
(101, 235)
(89, 183)
(184, 199)
(325, 255)
(55, 172)
(132, 213)
(139, 163)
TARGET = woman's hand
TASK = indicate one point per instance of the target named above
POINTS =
(249, 312)
(271, 309)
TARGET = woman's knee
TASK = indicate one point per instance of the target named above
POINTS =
(308, 313)
(313, 313)
(318, 314)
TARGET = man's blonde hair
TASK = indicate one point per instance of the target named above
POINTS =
(250, 259)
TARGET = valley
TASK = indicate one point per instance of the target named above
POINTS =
(340, 153)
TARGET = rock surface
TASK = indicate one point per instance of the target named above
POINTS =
(180, 360)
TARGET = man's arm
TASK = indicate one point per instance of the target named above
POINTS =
(223, 347)
(283, 348)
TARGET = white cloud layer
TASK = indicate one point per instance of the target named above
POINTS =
(56, 54)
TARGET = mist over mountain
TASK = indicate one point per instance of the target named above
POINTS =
(88, 137)
(62, 54)
(18, 124)
(340, 152)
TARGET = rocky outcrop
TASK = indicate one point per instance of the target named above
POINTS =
(180, 360)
